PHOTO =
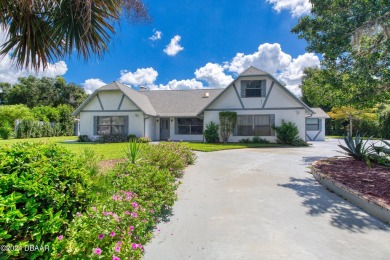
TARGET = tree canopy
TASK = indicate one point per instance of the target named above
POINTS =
(32, 92)
(354, 39)
(42, 31)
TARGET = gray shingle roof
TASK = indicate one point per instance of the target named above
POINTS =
(319, 113)
(177, 103)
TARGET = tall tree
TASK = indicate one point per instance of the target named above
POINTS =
(354, 38)
(41, 31)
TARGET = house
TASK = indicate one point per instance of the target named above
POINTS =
(259, 99)
(315, 125)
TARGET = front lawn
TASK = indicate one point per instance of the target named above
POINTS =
(205, 147)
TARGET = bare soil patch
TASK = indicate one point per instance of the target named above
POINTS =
(372, 182)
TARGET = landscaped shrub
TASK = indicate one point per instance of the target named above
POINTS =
(131, 137)
(287, 133)
(144, 139)
(384, 123)
(35, 129)
(169, 155)
(6, 130)
(381, 153)
(259, 140)
(133, 151)
(245, 140)
(211, 133)
(114, 138)
(227, 121)
(42, 186)
(83, 139)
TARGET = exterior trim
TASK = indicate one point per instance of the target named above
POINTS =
(315, 137)
(100, 101)
(238, 96)
(276, 108)
(269, 92)
(308, 137)
(120, 103)
(111, 111)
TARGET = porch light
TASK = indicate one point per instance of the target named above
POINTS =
(157, 120)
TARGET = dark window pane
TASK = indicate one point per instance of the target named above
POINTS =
(251, 83)
(104, 130)
(117, 129)
(262, 131)
(244, 130)
(312, 128)
(118, 120)
(253, 92)
(196, 130)
(183, 130)
(104, 120)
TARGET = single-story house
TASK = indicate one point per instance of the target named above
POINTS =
(315, 125)
(259, 99)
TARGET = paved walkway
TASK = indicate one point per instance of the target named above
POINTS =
(264, 204)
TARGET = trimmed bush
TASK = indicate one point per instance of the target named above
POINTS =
(245, 140)
(6, 130)
(42, 186)
(144, 139)
(83, 139)
(287, 133)
(259, 140)
(211, 133)
(115, 138)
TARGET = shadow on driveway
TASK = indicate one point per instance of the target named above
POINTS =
(320, 201)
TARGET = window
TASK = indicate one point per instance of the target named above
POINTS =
(108, 125)
(189, 126)
(312, 124)
(251, 88)
(254, 125)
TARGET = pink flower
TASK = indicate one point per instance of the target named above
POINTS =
(106, 213)
(60, 237)
(115, 258)
(97, 251)
(144, 220)
(117, 248)
(131, 228)
(134, 215)
(114, 197)
(101, 236)
(94, 208)
(134, 246)
(134, 204)
(152, 211)
(118, 219)
(79, 214)
(127, 212)
(112, 234)
(119, 243)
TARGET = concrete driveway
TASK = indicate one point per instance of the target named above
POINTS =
(264, 204)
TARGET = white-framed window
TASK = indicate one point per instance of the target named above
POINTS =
(312, 124)
(254, 125)
(108, 125)
(189, 126)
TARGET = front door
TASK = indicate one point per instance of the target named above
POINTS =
(164, 129)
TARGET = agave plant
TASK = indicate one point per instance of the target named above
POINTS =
(134, 151)
(381, 154)
(358, 148)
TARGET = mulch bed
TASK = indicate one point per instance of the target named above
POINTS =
(372, 182)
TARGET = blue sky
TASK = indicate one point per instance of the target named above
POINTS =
(196, 44)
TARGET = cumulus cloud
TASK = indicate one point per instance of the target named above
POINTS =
(297, 8)
(90, 85)
(174, 46)
(214, 75)
(156, 36)
(271, 58)
(143, 76)
(179, 85)
(9, 73)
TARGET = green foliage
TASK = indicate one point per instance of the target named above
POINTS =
(287, 133)
(114, 138)
(46, 114)
(131, 137)
(42, 187)
(245, 141)
(259, 140)
(83, 139)
(384, 122)
(211, 133)
(144, 139)
(35, 129)
(227, 122)
(357, 148)
(10, 113)
(381, 153)
(169, 155)
(133, 152)
(6, 130)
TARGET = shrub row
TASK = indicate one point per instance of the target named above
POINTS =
(114, 138)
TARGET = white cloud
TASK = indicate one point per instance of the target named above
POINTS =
(90, 85)
(174, 47)
(272, 59)
(143, 76)
(214, 75)
(10, 73)
(156, 36)
(179, 85)
(297, 8)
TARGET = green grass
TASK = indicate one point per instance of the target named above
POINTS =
(204, 147)
(117, 150)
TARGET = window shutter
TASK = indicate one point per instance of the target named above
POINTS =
(272, 123)
(263, 88)
(243, 90)
(126, 125)
(95, 124)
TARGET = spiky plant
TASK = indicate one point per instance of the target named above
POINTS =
(357, 148)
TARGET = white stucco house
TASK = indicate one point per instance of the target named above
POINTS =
(259, 99)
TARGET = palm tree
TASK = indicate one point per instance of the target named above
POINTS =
(42, 31)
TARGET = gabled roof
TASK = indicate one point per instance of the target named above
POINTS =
(319, 113)
(180, 103)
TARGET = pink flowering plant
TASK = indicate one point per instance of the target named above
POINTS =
(108, 231)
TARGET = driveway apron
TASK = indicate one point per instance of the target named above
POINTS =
(264, 204)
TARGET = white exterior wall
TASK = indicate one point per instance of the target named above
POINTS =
(318, 135)
(295, 116)
(150, 128)
(173, 135)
